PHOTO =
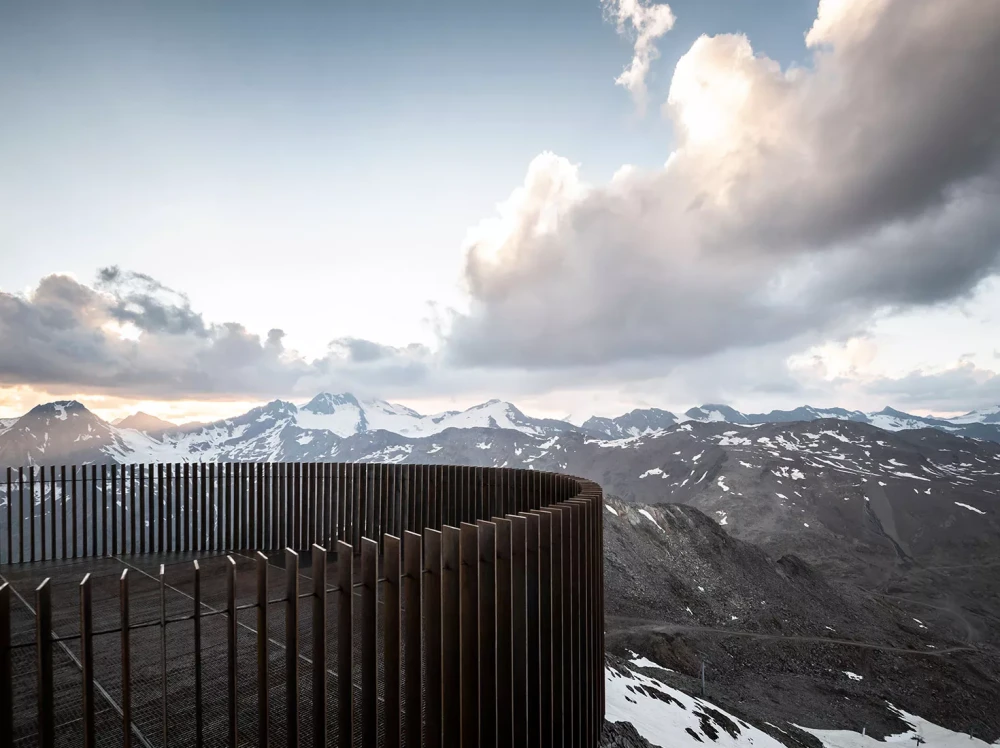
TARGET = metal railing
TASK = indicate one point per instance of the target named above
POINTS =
(465, 608)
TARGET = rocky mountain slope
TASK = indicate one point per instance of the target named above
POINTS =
(784, 648)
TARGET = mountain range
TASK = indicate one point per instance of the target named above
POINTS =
(881, 528)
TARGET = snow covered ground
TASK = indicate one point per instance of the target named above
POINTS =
(933, 736)
(667, 717)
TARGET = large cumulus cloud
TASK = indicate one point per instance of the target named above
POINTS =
(129, 335)
(796, 202)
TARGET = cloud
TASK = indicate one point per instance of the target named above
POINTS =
(798, 202)
(130, 336)
(649, 21)
(961, 387)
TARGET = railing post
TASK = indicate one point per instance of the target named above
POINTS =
(231, 628)
(319, 644)
(199, 719)
(390, 639)
(431, 610)
(114, 510)
(545, 657)
(263, 710)
(345, 644)
(411, 639)
(125, 622)
(86, 662)
(292, 647)
(41, 509)
(533, 631)
(31, 510)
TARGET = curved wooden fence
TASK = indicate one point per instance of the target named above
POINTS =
(445, 606)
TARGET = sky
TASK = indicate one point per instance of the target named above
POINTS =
(581, 206)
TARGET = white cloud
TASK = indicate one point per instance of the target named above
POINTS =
(798, 203)
(649, 21)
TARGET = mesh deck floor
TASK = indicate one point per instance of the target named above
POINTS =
(146, 643)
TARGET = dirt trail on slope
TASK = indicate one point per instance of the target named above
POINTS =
(627, 625)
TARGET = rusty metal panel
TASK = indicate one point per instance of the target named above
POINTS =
(319, 733)
(557, 635)
(124, 618)
(369, 653)
(532, 630)
(431, 607)
(86, 664)
(292, 647)
(390, 640)
(504, 635)
(487, 634)
(6, 667)
(411, 601)
(345, 647)
(469, 623)
(199, 717)
(519, 627)
(545, 658)
(451, 647)
(43, 656)
(231, 628)
(263, 646)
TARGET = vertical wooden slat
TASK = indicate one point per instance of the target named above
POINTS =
(451, 663)
(132, 513)
(411, 599)
(212, 509)
(227, 490)
(114, 510)
(487, 634)
(319, 645)
(433, 653)
(263, 701)
(104, 510)
(31, 510)
(345, 645)
(161, 510)
(6, 668)
(86, 662)
(504, 634)
(142, 508)
(176, 518)
(94, 513)
(52, 523)
(274, 492)
(519, 627)
(297, 505)
(369, 652)
(469, 623)
(197, 516)
(75, 526)
(43, 653)
(231, 628)
(20, 518)
(10, 519)
(199, 717)
(390, 640)
(41, 511)
(126, 653)
(292, 647)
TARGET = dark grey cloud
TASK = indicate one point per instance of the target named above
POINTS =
(798, 202)
(960, 388)
(67, 335)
